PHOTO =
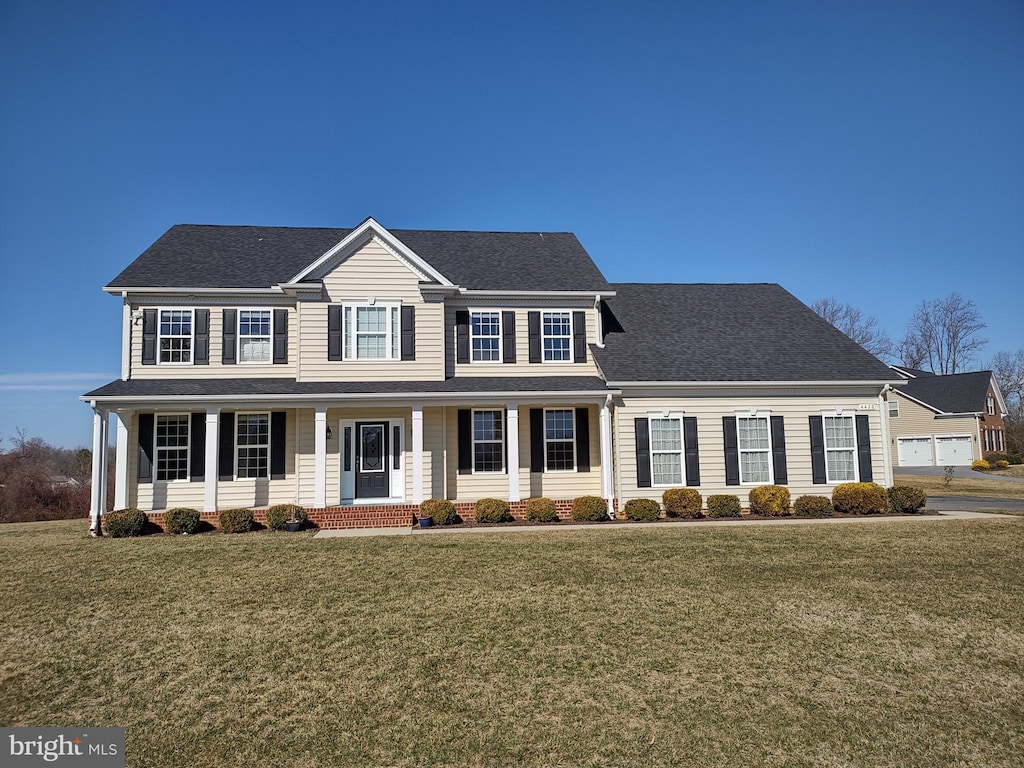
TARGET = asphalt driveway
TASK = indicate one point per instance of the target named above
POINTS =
(964, 472)
(970, 504)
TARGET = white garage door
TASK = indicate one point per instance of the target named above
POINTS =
(915, 451)
(953, 451)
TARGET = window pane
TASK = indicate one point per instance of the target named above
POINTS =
(557, 331)
(487, 425)
(254, 322)
(488, 457)
(665, 435)
(558, 424)
(753, 434)
(371, 319)
(839, 432)
(396, 335)
(754, 467)
(840, 466)
(371, 347)
(667, 469)
(254, 350)
(560, 455)
(347, 333)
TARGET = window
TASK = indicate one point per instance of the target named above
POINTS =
(375, 333)
(172, 447)
(894, 409)
(175, 335)
(988, 447)
(840, 447)
(990, 405)
(556, 333)
(1000, 445)
(254, 336)
(485, 336)
(754, 446)
(559, 440)
(488, 441)
(666, 451)
(252, 444)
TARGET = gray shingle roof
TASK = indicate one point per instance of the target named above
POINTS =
(726, 332)
(952, 393)
(208, 256)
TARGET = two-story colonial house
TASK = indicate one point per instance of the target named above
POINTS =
(360, 371)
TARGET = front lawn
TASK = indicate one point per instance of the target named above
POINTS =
(835, 645)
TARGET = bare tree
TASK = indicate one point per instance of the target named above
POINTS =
(1008, 369)
(863, 329)
(942, 335)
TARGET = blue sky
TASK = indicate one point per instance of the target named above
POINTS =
(870, 151)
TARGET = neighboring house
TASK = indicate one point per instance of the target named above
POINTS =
(358, 372)
(948, 420)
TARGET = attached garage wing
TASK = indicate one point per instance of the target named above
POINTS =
(953, 450)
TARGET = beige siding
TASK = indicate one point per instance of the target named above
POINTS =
(917, 421)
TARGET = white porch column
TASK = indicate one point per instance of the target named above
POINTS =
(512, 446)
(98, 499)
(211, 468)
(121, 462)
(320, 457)
(607, 486)
(417, 454)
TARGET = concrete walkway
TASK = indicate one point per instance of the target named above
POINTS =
(441, 531)
(965, 473)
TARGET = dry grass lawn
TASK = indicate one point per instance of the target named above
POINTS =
(841, 645)
(983, 487)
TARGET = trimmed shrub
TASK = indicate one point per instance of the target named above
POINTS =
(592, 508)
(440, 511)
(981, 465)
(279, 514)
(906, 500)
(235, 521)
(682, 502)
(859, 499)
(491, 511)
(769, 500)
(813, 506)
(1002, 464)
(646, 510)
(125, 522)
(723, 505)
(541, 509)
(995, 458)
(181, 520)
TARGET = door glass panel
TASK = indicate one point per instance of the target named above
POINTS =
(372, 453)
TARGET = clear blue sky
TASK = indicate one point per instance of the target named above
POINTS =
(872, 151)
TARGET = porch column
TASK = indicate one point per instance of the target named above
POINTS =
(417, 454)
(121, 462)
(211, 467)
(320, 457)
(607, 486)
(98, 499)
(512, 447)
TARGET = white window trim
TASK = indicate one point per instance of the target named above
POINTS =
(192, 335)
(543, 336)
(667, 416)
(474, 441)
(755, 414)
(501, 345)
(239, 337)
(188, 448)
(393, 334)
(839, 413)
(893, 402)
(270, 439)
(571, 440)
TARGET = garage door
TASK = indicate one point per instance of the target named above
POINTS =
(915, 451)
(953, 451)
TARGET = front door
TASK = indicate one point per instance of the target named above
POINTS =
(372, 460)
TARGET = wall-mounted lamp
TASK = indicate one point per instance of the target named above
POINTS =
(330, 432)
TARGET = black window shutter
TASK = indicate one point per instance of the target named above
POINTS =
(226, 447)
(690, 450)
(145, 448)
(201, 354)
(280, 336)
(508, 337)
(461, 336)
(334, 332)
(643, 453)
(149, 337)
(779, 450)
(533, 326)
(465, 441)
(863, 447)
(278, 434)
(579, 337)
(230, 336)
(536, 439)
(408, 333)
(817, 450)
(197, 439)
(732, 453)
(582, 439)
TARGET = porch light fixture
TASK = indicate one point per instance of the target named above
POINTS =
(330, 432)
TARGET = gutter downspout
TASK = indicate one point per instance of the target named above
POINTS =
(883, 407)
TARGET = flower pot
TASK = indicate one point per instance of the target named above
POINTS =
(292, 526)
(426, 522)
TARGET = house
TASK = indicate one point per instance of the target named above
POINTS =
(360, 371)
(945, 420)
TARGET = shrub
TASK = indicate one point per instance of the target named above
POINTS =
(592, 508)
(813, 506)
(1002, 464)
(769, 500)
(491, 511)
(125, 522)
(279, 514)
(1010, 458)
(859, 499)
(980, 465)
(906, 500)
(441, 511)
(642, 509)
(181, 520)
(723, 505)
(682, 502)
(235, 520)
(541, 510)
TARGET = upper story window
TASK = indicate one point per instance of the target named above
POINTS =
(666, 451)
(254, 336)
(556, 335)
(172, 446)
(840, 449)
(990, 405)
(894, 409)
(252, 444)
(754, 443)
(559, 440)
(175, 342)
(485, 336)
(488, 441)
(372, 332)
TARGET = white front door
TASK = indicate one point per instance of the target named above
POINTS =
(914, 451)
(953, 450)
